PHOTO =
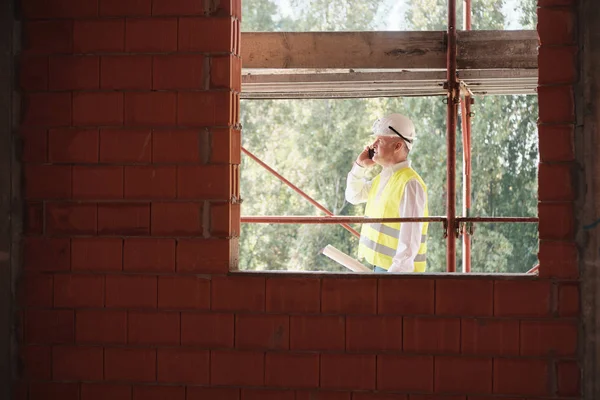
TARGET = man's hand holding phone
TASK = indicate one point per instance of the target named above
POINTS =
(364, 159)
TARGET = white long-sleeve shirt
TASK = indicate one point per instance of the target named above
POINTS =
(412, 204)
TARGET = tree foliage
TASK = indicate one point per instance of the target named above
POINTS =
(313, 143)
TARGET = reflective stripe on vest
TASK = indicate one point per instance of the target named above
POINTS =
(379, 241)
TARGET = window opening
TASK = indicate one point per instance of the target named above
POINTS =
(267, 83)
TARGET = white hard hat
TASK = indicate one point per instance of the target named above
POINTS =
(395, 125)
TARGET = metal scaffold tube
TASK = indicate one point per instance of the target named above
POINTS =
(466, 135)
(451, 117)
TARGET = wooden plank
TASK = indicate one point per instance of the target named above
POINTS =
(343, 50)
(410, 50)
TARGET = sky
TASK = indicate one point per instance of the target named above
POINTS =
(396, 21)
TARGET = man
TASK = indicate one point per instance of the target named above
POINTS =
(398, 191)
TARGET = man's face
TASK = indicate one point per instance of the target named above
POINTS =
(385, 149)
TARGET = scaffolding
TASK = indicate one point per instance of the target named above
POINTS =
(393, 64)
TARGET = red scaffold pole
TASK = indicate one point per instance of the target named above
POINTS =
(300, 192)
(451, 117)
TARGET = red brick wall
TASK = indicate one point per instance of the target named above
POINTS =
(130, 165)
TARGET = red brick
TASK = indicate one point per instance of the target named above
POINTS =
(74, 73)
(120, 8)
(556, 221)
(431, 335)
(203, 393)
(47, 37)
(37, 290)
(53, 391)
(317, 332)
(221, 72)
(204, 182)
(125, 146)
(464, 374)
(73, 145)
(49, 326)
(417, 373)
(568, 378)
(556, 104)
(323, 395)
(194, 330)
(548, 338)
(146, 254)
(568, 300)
(204, 108)
(36, 362)
(558, 259)
(521, 377)
(71, 218)
(349, 296)
(490, 336)
(555, 182)
(99, 36)
(179, 365)
(176, 146)
(124, 219)
(77, 363)
(101, 326)
(176, 219)
(131, 291)
(203, 255)
(183, 292)
(153, 328)
(150, 108)
(293, 295)
(130, 365)
(154, 392)
(464, 297)
(206, 34)
(177, 7)
(225, 146)
(406, 296)
(33, 73)
(102, 391)
(557, 64)
(34, 9)
(556, 142)
(292, 370)
(78, 290)
(348, 371)
(267, 394)
(46, 254)
(149, 182)
(97, 254)
(238, 293)
(551, 3)
(126, 72)
(525, 298)
(34, 147)
(556, 26)
(33, 218)
(373, 333)
(151, 35)
(225, 220)
(262, 331)
(237, 368)
(47, 109)
(178, 71)
(101, 182)
(97, 108)
(378, 396)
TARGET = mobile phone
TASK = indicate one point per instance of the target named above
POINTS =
(371, 153)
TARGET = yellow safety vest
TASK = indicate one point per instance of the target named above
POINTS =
(378, 242)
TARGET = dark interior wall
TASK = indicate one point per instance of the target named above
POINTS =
(8, 194)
